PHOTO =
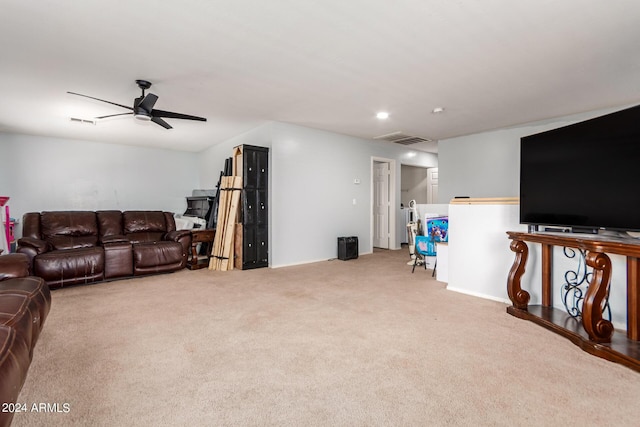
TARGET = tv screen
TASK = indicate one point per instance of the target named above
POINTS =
(585, 176)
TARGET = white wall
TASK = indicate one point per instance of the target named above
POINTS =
(414, 184)
(312, 187)
(313, 190)
(211, 160)
(488, 164)
(41, 173)
(311, 177)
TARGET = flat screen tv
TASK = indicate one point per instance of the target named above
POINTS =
(585, 176)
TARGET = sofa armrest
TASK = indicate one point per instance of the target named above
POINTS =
(31, 247)
(13, 266)
(39, 246)
(183, 237)
(178, 235)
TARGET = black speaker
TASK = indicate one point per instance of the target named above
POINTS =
(347, 248)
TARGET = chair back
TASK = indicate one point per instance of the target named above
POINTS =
(424, 246)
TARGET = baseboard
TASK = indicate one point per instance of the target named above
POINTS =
(313, 261)
(479, 295)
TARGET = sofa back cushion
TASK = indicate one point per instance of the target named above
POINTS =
(144, 226)
(144, 222)
(31, 225)
(69, 229)
(109, 223)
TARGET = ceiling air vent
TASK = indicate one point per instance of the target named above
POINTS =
(82, 121)
(402, 138)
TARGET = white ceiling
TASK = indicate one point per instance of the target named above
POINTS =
(329, 64)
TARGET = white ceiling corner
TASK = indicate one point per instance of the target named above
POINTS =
(329, 65)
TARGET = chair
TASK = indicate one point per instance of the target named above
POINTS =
(425, 246)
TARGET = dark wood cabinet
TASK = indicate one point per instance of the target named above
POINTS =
(252, 235)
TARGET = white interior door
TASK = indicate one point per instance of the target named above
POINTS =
(381, 205)
(432, 185)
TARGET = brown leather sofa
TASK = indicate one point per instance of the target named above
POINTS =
(24, 305)
(74, 247)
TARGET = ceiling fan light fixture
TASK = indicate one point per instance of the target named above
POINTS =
(142, 116)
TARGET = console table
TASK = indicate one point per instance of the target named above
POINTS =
(200, 236)
(592, 333)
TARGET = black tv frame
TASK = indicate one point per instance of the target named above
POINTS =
(583, 177)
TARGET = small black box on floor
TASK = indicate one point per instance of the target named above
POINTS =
(347, 248)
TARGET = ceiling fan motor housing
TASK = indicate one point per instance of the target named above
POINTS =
(143, 84)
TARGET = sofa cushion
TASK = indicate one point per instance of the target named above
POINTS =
(109, 223)
(156, 255)
(145, 237)
(72, 242)
(70, 266)
(70, 223)
(144, 222)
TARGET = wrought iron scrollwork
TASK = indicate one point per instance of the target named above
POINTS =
(576, 283)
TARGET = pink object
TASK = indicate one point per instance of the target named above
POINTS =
(7, 225)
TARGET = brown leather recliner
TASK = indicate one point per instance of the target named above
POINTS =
(24, 305)
(72, 247)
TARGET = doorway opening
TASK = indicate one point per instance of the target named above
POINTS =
(416, 183)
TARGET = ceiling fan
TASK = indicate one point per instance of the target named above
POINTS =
(143, 108)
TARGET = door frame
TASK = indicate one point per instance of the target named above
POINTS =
(392, 201)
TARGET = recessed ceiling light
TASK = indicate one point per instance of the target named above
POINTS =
(382, 115)
(438, 110)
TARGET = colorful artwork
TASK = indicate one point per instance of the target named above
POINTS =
(437, 231)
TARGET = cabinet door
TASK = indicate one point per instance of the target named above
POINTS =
(249, 248)
(262, 164)
(250, 175)
(250, 207)
(261, 217)
(262, 247)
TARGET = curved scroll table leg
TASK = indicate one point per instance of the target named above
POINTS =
(599, 329)
(518, 296)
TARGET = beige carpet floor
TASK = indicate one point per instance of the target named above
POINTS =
(337, 343)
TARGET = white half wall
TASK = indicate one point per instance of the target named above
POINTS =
(480, 259)
(479, 254)
(41, 173)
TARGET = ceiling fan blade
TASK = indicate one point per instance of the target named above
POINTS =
(101, 100)
(148, 102)
(161, 122)
(170, 115)
(114, 115)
